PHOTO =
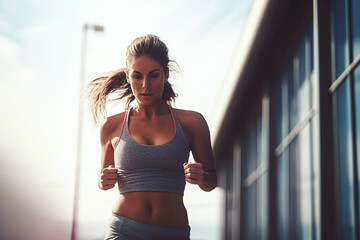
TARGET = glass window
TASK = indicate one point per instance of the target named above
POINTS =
(305, 78)
(345, 158)
(283, 129)
(344, 115)
(293, 85)
(355, 7)
(295, 173)
(341, 37)
(250, 160)
(283, 195)
(262, 206)
(294, 190)
(304, 155)
(233, 195)
(305, 184)
(357, 124)
(356, 52)
(255, 181)
(251, 212)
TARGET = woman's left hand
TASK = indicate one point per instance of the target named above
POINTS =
(194, 173)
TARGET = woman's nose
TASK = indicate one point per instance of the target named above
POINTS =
(145, 83)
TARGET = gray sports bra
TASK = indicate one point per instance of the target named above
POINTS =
(151, 168)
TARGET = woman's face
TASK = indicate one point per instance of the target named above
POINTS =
(146, 77)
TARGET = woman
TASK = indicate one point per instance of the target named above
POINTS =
(149, 146)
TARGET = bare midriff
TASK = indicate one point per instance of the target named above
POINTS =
(153, 208)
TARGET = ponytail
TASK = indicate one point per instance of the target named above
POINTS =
(99, 89)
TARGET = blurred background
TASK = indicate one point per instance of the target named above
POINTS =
(40, 71)
(287, 144)
(277, 80)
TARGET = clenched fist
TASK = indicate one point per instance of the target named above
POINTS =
(107, 178)
(194, 173)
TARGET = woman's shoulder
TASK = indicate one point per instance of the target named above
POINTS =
(111, 124)
(193, 124)
(190, 118)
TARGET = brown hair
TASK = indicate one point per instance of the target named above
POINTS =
(101, 87)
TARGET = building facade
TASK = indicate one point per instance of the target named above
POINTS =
(288, 141)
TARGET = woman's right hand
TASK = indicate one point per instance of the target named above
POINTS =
(108, 178)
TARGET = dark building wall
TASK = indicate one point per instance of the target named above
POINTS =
(288, 146)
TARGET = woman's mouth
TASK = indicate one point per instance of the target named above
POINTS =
(146, 94)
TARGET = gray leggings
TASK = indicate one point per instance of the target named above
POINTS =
(126, 229)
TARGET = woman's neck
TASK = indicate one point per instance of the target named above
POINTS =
(151, 111)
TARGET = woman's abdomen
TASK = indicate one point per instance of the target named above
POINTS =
(154, 208)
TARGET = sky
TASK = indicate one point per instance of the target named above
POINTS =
(40, 46)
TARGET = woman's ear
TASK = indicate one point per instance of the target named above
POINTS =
(127, 77)
(166, 75)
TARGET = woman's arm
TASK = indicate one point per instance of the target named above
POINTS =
(203, 171)
(108, 174)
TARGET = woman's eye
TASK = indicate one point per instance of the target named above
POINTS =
(137, 77)
(154, 76)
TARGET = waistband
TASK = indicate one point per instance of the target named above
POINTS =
(138, 230)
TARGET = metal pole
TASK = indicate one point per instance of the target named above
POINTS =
(79, 142)
(96, 28)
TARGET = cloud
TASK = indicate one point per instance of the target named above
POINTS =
(9, 51)
(7, 7)
(34, 31)
(4, 25)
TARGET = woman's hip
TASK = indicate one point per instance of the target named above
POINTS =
(127, 229)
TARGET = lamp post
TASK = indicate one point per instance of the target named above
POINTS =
(86, 27)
